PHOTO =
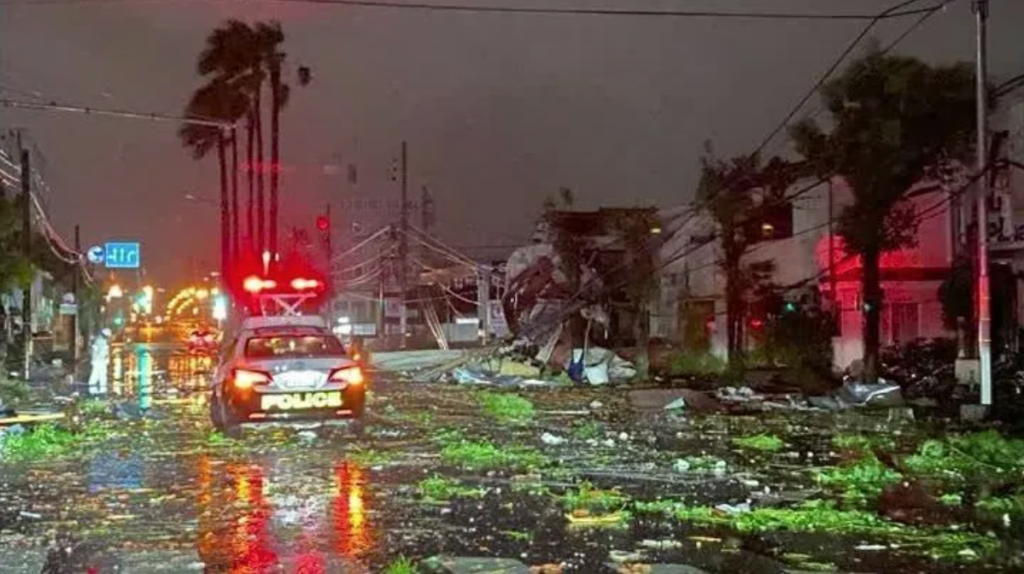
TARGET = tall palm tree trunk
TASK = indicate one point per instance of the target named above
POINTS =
(225, 219)
(250, 136)
(275, 148)
(235, 230)
(261, 224)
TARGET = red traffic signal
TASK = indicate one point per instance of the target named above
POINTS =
(323, 223)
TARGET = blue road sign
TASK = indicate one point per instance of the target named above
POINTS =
(122, 255)
(95, 254)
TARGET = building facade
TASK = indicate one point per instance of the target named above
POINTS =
(810, 265)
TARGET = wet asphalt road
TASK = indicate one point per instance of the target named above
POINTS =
(162, 496)
(166, 494)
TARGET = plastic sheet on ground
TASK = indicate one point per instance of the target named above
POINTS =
(601, 366)
(854, 394)
(479, 376)
(882, 393)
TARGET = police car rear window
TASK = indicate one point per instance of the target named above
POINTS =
(287, 346)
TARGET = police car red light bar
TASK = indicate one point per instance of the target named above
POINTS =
(254, 284)
(300, 284)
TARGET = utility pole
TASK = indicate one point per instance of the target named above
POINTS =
(426, 210)
(225, 208)
(403, 246)
(75, 323)
(26, 246)
(981, 187)
(483, 301)
(426, 219)
(328, 247)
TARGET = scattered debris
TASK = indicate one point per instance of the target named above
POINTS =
(550, 439)
(659, 399)
(733, 508)
(661, 544)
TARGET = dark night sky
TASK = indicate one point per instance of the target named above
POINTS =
(499, 110)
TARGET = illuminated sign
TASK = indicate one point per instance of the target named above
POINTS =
(220, 308)
(295, 401)
(95, 254)
(122, 255)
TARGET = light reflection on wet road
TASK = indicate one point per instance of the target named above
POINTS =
(165, 494)
(257, 514)
(167, 485)
(142, 371)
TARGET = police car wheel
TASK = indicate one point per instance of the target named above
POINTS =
(215, 413)
(230, 422)
(223, 419)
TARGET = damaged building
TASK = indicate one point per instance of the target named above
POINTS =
(567, 290)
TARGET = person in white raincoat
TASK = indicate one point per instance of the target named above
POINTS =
(100, 362)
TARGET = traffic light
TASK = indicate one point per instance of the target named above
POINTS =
(323, 223)
(789, 307)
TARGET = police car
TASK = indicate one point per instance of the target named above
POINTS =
(282, 368)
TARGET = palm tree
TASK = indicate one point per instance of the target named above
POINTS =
(216, 101)
(232, 57)
(244, 57)
(270, 37)
(236, 247)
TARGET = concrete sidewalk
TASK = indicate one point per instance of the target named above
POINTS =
(399, 361)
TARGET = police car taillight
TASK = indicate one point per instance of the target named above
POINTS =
(350, 375)
(246, 379)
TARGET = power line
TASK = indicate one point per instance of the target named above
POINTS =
(928, 13)
(919, 217)
(526, 10)
(838, 62)
(891, 12)
(86, 110)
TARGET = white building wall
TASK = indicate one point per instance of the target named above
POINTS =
(805, 257)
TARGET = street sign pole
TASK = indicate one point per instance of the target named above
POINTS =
(75, 325)
(981, 197)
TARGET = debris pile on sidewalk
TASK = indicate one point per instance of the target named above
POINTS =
(516, 365)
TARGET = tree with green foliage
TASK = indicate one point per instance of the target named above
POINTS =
(634, 228)
(727, 193)
(895, 121)
(570, 248)
(15, 269)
